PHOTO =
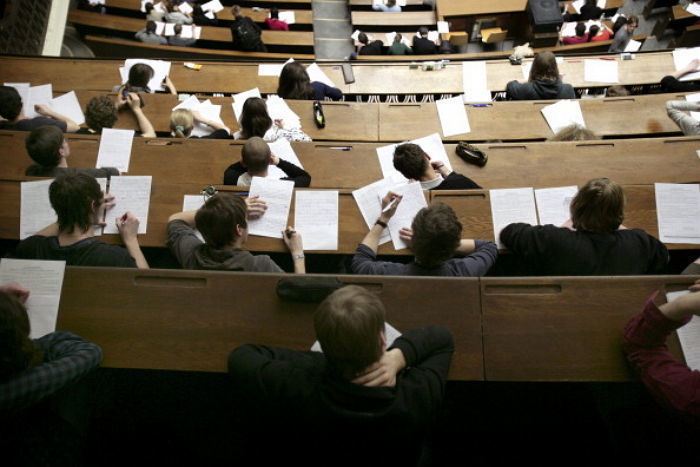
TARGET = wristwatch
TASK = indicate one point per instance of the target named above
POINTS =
(382, 223)
(301, 256)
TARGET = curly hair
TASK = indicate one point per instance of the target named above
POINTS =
(100, 113)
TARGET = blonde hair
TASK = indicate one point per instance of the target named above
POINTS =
(181, 122)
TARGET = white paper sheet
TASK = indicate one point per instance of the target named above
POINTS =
(688, 335)
(367, 199)
(190, 32)
(525, 68)
(97, 229)
(553, 204)
(678, 212)
(453, 116)
(185, 8)
(681, 59)
(693, 9)
(282, 149)
(23, 91)
(115, 149)
(316, 74)
(278, 109)
(577, 5)
(277, 194)
(354, 36)
(68, 106)
(169, 30)
(132, 193)
(568, 29)
(213, 5)
(44, 280)
(143, 5)
(35, 208)
(272, 69)
(316, 219)
(38, 95)
(207, 110)
(390, 39)
(413, 201)
(390, 333)
(601, 71)
(443, 27)
(562, 114)
(694, 98)
(511, 205)
(633, 46)
(474, 82)
(161, 69)
(160, 29)
(193, 203)
(160, 6)
(287, 16)
(240, 98)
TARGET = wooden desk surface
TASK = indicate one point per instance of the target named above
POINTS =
(609, 5)
(563, 329)
(209, 33)
(405, 18)
(478, 7)
(191, 320)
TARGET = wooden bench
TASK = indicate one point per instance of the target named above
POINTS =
(405, 18)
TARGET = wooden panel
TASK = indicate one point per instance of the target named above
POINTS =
(478, 7)
(405, 18)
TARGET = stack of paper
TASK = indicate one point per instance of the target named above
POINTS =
(240, 98)
(161, 69)
(131, 194)
(316, 74)
(453, 116)
(678, 212)
(44, 280)
(277, 194)
(509, 206)
(282, 149)
(367, 199)
(601, 71)
(278, 109)
(68, 106)
(206, 109)
(431, 145)
(191, 32)
(688, 335)
(693, 8)
(272, 69)
(474, 82)
(563, 114)
(214, 6)
(115, 149)
(681, 59)
(316, 219)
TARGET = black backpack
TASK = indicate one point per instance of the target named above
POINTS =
(245, 36)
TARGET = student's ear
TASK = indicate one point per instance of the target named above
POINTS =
(239, 230)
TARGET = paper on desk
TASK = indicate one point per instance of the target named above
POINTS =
(453, 116)
(68, 106)
(160, 6)
(390, 333)
(161, 69)
(355, 35)
(115, 149)
(568, 29)
(35, 208)
(316, 219)
(213, 6)
(169, 29)
(132, 193)
(278, 109)
(601, 71)
(413, 201)
(474, 82)
(432, 35)
(367, 199)
(272, 69)
(681, 59)
(160, 29)
(38, 95)
(44, 280)
(553, 204)
(693, 9)
(277, 194)
(633, 46)
(511, 205)
(282, 149)
(287, 16)
(193, 203)
(688, 335)
(443, 27)
(562, 114)
(694, 98)
(316, 74)
(526, 67)
(208, 111)
(191, 32)
(240, 98)
(577, 5)
(678, 212)
(185, 8)
(23, 91)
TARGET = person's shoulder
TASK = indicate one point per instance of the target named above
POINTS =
(101, 254)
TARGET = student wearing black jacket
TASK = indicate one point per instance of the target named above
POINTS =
(256, 158)
(415, 164)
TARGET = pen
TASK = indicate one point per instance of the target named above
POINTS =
(290, 232)
(340, 148)
(480, 105)
(390, 205)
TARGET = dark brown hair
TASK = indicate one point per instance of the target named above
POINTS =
(100, 113)
(17, 351)
(294, 82)
(139, 75)
(255, 121)
(43, 144)
(544, 67)
(10, 103)
(599, 206)
(75, 198)
(348, 325)
(436, 235)
(218, 218)
(410, 160)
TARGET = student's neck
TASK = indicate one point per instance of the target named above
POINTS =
(65, 238)
(262, 174)
(237, 244)
(63, 163)
(19, 117)
(428, 175)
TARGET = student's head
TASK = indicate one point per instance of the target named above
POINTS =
(222, 220)
(362, 38)
(349, 325)
(632, 23)
(255, 120)
(390, 3)
(178, 29)
(580, 29)
(151, 27)
(423, 31)
(544, 66)
(617, 91)
(46, 145)
(598, 206)
(436, 235)
(573, 132)
(592, 32)
(181, 122)
(197, 10)
(140, 74)
(76, 198)
(16, 348)
(100, 113)
(256, 155)
(398, 37)
(410, 160)
(236, 11)
(148, 7)
(592, 2)
(10, 103)
(619, 22)
(274, 13)
(294, 82)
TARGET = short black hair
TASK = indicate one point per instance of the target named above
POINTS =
(43, 144)
(151, 26)
(74, 197)
(10, 103)
(274, 13)
(410, 160)
(139, 75)
(362, 38)
(580, 29)
(423, 31)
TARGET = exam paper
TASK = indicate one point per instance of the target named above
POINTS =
(115, 149)
(316, 219)
(694, 98)
(191, 32)
(277, 194)
(240, 98)
(367, 199)
(474, 82)
(693, 8)
(601, 71)
(525, 68)
(511, 205)
(278, 109)
(553, 204)
(316, 74)
(207, 110)
(213, 6)
(562, 114)
(193, 203)
(39, 95)
(443, 27)
(185, 8)
(681, 59)
(44, 280)
(131, 193)
(390, 333)
(169, 30)
(23, 91)
(272, 69)
(633, 46)
(287, 16)
(161, 69)
(453, 116)
(678, 212)
(390, 38)
(688, 335)
(413, 201)
(68, 106)
(577, 5)
(432, 35)
(35, 208)
(282, 149)
(160, 29)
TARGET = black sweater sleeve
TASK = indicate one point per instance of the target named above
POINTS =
(299, 176)
(233, 172)
(455, 181)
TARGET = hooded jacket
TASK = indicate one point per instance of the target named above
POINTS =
(539, 89)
